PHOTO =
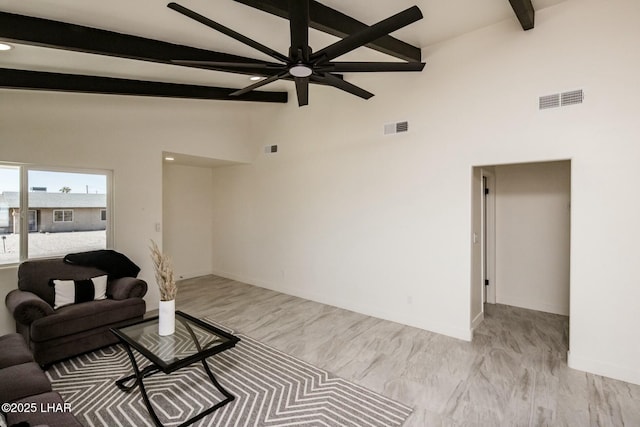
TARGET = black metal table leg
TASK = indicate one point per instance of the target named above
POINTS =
(139, 375)
(229, 398)
(146, 372)
(215, 382)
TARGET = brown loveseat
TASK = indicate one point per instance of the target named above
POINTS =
(56, 334)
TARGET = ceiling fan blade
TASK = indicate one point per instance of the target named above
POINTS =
(218, 64)
(260, 84)
(299, 28)
(368, 35)
(343, 85)
(302, 90)
(365, 67)
(227, 31)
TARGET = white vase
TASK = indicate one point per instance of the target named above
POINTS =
(167, 317)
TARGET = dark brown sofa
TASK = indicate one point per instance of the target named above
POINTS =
(27, 389)
(74, 329)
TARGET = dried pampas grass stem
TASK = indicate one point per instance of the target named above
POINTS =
(164, 273)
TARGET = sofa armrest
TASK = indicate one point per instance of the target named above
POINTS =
(26, 307)
(126, 287)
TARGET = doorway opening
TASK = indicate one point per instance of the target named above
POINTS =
(521, 237)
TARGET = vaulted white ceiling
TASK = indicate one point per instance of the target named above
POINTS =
(443, 20)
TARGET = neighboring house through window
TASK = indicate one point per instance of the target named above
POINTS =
(46, 212)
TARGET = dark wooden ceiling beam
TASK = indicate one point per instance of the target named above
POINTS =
(38, 80)
(61, 35)
(525, 13)
(338, 24)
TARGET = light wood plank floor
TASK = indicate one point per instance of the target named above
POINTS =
(514, 373)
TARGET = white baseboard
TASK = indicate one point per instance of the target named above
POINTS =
(603, 368)
(534, 305)
(191, 274)
(380, 313)
(478, 319)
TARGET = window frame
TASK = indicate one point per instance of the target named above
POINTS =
(24, 170)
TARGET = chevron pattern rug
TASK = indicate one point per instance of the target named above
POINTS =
(271, 389)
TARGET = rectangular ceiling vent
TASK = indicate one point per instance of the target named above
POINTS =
(561, 99)
(393, 128)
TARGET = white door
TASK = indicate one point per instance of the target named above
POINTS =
(488, 237)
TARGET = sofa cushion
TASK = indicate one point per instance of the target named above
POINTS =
(77, 291)
(34, 276)
(51, 402)
(14, 351)
(22, 380)
(85, 316)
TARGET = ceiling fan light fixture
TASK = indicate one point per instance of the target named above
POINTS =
(300, 71)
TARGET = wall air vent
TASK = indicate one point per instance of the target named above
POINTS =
(549, 101)
(393, 128)
(561, 99)
(572, 98)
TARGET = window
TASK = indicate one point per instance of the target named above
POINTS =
(46, 212)
(62, 216)
(9, 201)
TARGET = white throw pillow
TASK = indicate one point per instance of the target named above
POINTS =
(76, 291)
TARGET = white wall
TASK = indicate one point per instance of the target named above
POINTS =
(124, 134)
(532, 235)
(382, 225)
(188, 219)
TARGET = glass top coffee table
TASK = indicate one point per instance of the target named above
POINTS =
(193, 341)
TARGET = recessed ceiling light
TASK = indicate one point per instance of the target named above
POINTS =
(5, 46)
(169, 159)
(255, 78)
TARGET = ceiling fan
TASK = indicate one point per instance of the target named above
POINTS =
(304, 65)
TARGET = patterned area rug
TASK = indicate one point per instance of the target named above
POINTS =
(271, 389)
